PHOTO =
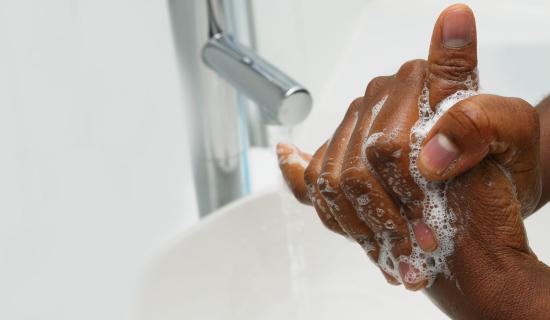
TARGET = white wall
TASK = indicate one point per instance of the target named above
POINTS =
(93, 161)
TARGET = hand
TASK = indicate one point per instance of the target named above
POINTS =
(360, 181)
(490, 135)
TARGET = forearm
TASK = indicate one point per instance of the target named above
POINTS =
(544, 116)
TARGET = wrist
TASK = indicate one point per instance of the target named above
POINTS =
(526, 286)
(525, 289)
(498, 285)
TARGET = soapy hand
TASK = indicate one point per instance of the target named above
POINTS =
(429, 177)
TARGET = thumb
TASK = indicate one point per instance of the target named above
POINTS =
(505, 128)
(452, 61)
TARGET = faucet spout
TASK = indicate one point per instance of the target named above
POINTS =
(282, 100)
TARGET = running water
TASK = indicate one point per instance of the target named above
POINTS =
(293, 220)
(294, 226)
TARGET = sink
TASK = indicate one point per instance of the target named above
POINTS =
(268, 257)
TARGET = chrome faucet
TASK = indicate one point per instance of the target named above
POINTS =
(217, 118)
(282, 99)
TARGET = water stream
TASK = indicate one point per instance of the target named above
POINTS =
(294, 223)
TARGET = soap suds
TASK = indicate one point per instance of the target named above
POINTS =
(436, 213)
(372, 137)
(376, 109)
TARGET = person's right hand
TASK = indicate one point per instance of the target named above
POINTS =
(479, 142)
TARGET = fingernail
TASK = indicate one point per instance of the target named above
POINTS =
(409, 274)
(458, 26)
(438, 154)
(404, 269)
(424, 236)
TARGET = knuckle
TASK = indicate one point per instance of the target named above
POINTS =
(310, 179)
(410, 70)
(471, 117)
(412, 65)
(412, 74)
(352, 180)
(373, 152)
(355, 105)
(328, 184)
(387, 147)
(375, 85)
(453, 68)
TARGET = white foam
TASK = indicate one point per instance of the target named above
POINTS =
(436, 213)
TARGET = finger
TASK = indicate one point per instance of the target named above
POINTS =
(310, 177)
(411, 276)
(452, 61)
(371, 202)
(389, 278)
(329, 184)
(293, 163)
(506, 128)
(377, 86)
(388, 147)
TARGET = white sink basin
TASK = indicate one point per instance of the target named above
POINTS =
(267, 257)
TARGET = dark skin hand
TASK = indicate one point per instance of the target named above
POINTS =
(488, 149)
